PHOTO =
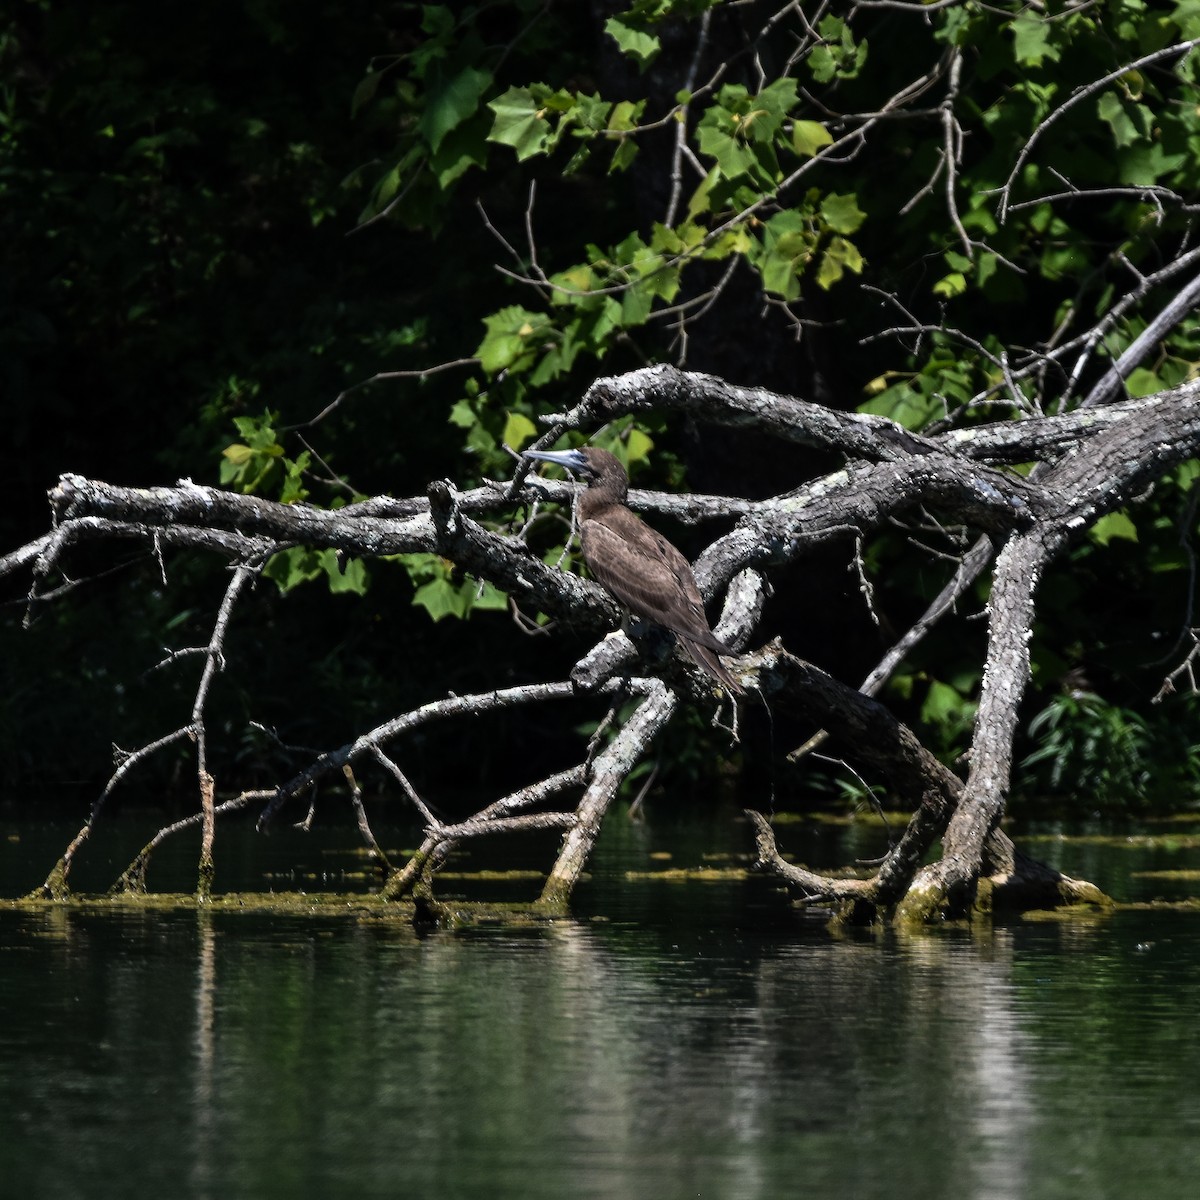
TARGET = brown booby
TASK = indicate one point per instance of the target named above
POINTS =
(637, 565)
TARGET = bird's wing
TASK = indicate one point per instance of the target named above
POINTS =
(647, 574)
(707, 659)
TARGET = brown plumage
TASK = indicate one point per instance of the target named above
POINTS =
(635, 563)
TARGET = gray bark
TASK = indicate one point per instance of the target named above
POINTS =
(1089, 463)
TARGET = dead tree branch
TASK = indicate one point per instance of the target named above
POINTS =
(1089, 462)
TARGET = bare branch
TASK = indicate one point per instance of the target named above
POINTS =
(1077, 97)
(1180, 306)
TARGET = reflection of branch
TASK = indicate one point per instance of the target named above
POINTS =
(868, 732)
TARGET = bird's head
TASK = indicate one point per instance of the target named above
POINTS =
(590, 463)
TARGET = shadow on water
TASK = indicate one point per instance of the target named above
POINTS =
(674, 1037)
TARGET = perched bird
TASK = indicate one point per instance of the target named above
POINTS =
(636, 564)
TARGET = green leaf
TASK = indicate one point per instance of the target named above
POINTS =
(1143, 382)
(519, 123)
(625, 116)
(441, 594)
(300, 564)
(462, 414)
(841, 213)
(596, 325)
(513, 335)
(292, 567)
(788, 245)
(461, 149)
(717, 137)
(590, 113)
(624, 155)
(637, 446)
(905, 404)
(573, 285)
(737, 132)
(1031, 40)
(518, 429)
(636, 304)
(365, 91)
(293, 489)
(840, 256)
(1111, 527)
(1113, 113)
(440, 598)
(347, 576)
(701, 200)
(838, 53)
(944, 706)
(437, 20)
(765, 114)
(1146, 163)
(951, 285)
(808, 138)
(451, 101)
(486, 597)
(639, 45)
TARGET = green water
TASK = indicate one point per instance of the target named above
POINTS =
(672, 1040)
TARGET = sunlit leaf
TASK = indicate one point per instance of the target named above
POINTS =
(518, 429)
(951, 285)
(841, 213)
(808, 137)
(1031, 40)
(519, 123)
(1113, 527)
(839, 257)
(511, 339)
(639, 45)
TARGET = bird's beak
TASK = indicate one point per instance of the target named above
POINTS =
(573, 460)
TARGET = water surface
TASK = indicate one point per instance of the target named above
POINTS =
(671, 1040)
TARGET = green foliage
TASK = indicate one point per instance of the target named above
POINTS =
(299, 564)
(442, 591)
(838, 54)
(1099, 757)
(259, 464)
(945, 709)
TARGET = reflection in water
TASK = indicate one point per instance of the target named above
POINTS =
(998, 1051)
(698, 1043)
(204, 1116)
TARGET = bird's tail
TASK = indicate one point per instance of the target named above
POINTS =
(702, 656)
